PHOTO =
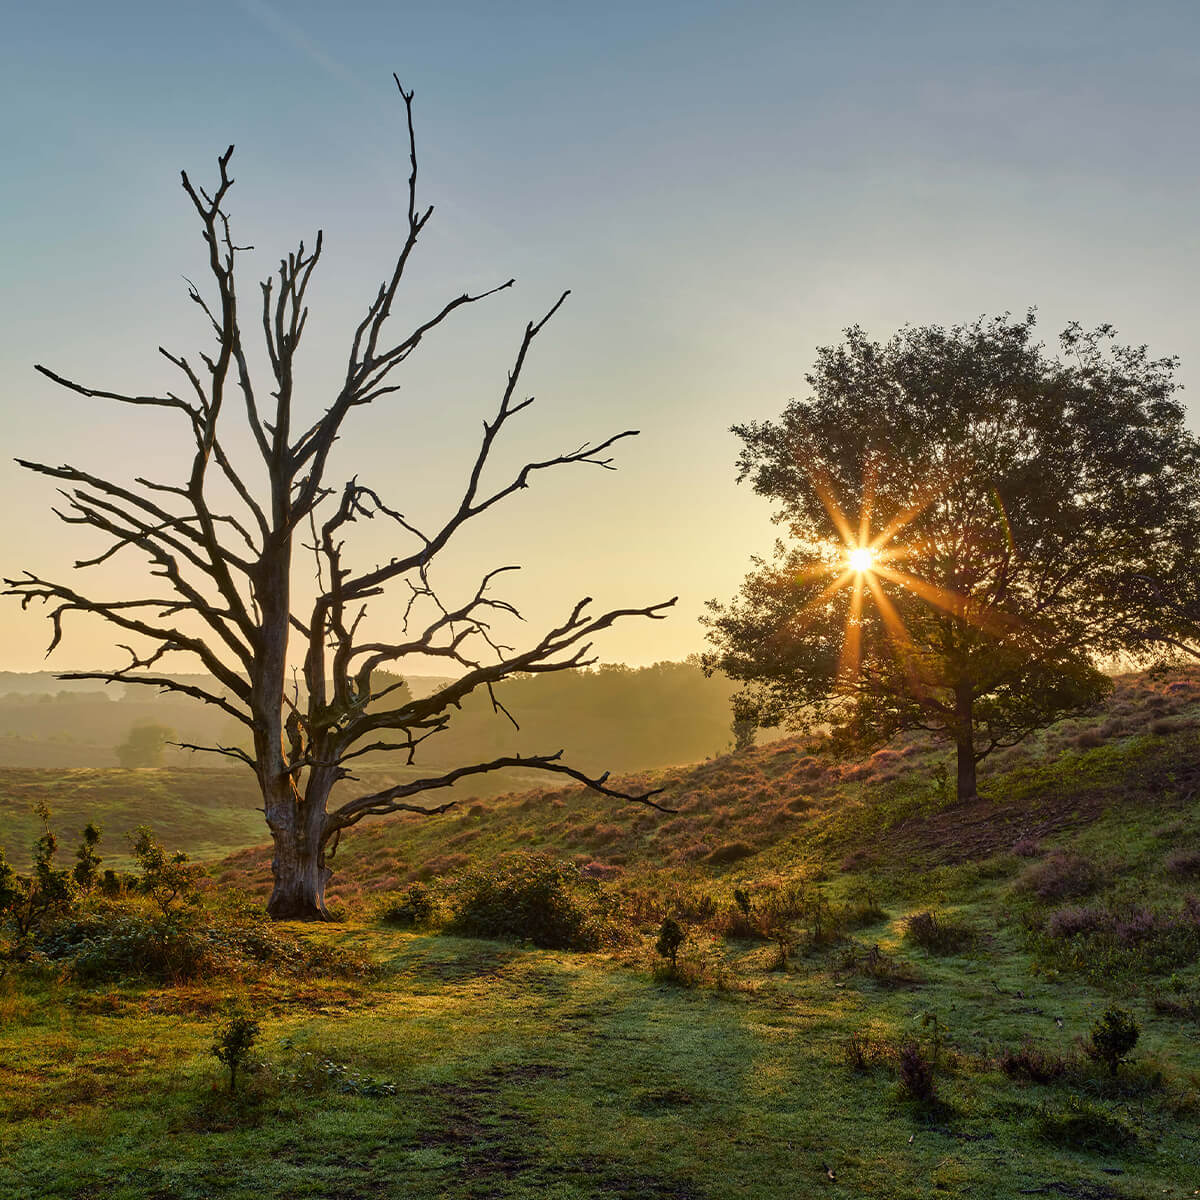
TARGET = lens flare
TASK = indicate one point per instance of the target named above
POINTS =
(861, 559)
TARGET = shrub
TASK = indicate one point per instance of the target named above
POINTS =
(165, 877)
(531, 897)
(1030, 1062)
(414, 907)
(235, 1037)
(28, 901)
(87, 862)
(916, 1074)
(1113, 1036)
(938, 934)
(1062, 876)
(731, 852)
(670, 938)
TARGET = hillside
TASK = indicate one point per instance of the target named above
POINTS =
(902, 1004)
(793, 804)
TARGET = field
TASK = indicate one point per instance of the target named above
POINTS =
(901, 1004)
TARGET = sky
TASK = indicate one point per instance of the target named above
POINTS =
(723, 187)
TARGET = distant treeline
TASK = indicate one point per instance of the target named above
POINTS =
(610, 718)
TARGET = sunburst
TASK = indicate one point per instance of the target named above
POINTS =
(862, 561)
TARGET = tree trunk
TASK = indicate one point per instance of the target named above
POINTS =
(298, 864)
(964, 739)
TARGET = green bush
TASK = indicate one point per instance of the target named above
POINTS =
(532, 897)
(1113, 1036)
(414, 908)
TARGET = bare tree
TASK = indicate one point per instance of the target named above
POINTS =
(228, 569)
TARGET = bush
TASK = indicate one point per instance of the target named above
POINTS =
(532, 897)
(938, 934)
(731, 852)
(1113, 1036)
(1062, 876)
(1184, 863)
(1029, 1062)
(916, 1074)
(414, 907)
(165, 877)
(670, 938)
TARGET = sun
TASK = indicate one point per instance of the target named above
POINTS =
(861, 559)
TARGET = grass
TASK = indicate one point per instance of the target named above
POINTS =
(474, 1068)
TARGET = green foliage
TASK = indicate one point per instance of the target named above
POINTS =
(234, 1039)
(27, 901)
(670, 938)
(1012, 489)
(144, 745)
(1113, 1037)
(413, 908)
(531, 897)
(87, 862)
(165, 877)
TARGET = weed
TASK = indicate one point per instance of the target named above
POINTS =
(1064, 875)
(1031, 1062)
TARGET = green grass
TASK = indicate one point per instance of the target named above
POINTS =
(468, 1068)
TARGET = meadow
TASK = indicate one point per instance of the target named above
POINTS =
(877, 992)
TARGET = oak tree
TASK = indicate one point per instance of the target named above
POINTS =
(974, 525)
(226, 544)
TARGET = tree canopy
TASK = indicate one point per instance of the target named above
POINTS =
(973, 525)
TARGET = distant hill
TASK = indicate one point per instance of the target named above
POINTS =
(613, 718)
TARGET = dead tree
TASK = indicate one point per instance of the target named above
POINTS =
(228, 571)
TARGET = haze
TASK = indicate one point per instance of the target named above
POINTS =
(723, 188)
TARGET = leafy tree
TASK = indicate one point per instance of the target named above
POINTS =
(143, 747)
(973, 525)
(221, 544)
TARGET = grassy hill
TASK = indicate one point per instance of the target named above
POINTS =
(901, 1007)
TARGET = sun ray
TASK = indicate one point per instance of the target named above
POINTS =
(831, 506)
(907, 652)
(850, 662)
(954, 603)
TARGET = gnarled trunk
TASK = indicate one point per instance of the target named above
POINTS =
(298, 864)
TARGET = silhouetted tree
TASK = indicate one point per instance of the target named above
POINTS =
(974, 526)
(223, 543)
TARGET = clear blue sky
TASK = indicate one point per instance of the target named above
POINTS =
(724, 187)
